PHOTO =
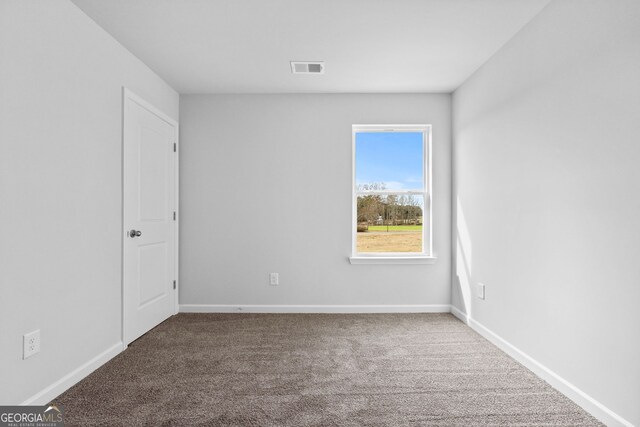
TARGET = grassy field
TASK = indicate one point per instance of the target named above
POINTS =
(395, 228)
(399, 241)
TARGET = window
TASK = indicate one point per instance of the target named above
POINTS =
(392, 194)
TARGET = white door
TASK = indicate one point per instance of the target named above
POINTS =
(149, 187)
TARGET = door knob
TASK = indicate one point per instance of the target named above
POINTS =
(135, 233)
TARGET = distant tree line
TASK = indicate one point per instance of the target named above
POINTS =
(377, 209)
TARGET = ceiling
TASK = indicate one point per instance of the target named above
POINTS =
(244, 46)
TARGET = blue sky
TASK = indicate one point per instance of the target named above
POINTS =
(394, 158)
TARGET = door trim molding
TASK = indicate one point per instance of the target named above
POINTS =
(127, 94)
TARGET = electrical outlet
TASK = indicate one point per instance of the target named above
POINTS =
(30, 344)
(481, 293)
(274, 280)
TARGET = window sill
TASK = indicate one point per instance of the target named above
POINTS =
(422, 259)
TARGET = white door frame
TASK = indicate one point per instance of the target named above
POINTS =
(128, 94)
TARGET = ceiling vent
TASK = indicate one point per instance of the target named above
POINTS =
(300, 67)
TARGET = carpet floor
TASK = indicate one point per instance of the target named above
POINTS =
(316, 370)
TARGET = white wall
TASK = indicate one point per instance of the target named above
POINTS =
(266, 187)
(61, 79)
(547, 189)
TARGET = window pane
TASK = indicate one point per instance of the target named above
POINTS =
(389, 161)
(390, 223)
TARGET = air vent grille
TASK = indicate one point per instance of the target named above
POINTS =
(306, 67)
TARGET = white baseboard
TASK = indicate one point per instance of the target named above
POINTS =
(581, 398)
(57, 388)
(240, 308)
(460, 315)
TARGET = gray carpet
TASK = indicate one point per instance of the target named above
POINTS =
(316, 370)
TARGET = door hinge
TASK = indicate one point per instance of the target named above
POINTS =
(174, 284)
(174, 215)
(175, 147)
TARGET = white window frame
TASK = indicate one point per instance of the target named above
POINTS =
(424, 257)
